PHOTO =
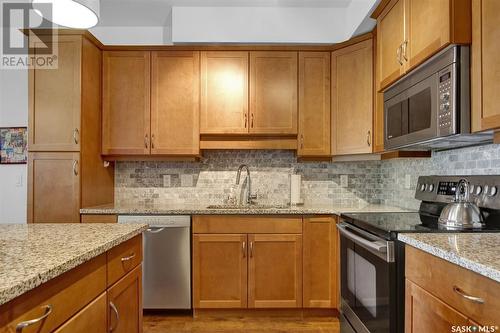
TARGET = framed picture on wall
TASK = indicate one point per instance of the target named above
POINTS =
(13, 145)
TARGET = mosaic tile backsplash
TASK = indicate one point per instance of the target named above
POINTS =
(210, 180)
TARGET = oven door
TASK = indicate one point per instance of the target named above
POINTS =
(412, 116)
(367, 276)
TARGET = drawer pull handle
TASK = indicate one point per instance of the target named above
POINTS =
(130, 257)
(468, 297)
(112, 306)
(24, 324)
(75, 168)
(251, 249)
(244, 249)
(76, 135)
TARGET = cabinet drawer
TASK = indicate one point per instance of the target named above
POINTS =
(63, 297)
(99, 218)
(123, 258)
(91, 319)
(440, 277)
(247, 224)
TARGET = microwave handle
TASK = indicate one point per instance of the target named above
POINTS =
(377, 246)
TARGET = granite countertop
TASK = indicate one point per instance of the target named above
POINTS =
(478, 252)
(32, 254)
(201, 209)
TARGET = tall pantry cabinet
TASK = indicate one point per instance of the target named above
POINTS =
(65, 169)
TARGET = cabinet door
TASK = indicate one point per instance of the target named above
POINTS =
(92, 318)
(428, 29)
(220, 271)
(378, 105)
(352, 99)
(126, 103)
(390, 36)
(273, 92)
(314, 104)
(485, 64)
(426, 313)
(53, 187)
(175, 103)
(125, 303)
(54, 100)
(320, 262)
(275, 271)
(224, 92)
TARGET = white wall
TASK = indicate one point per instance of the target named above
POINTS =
(13, 112)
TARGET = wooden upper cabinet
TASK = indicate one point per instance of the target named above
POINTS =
(314, 104)
(175, 103)
(224, 92)
(485, 64)
(320, 267)
(125, 303)
(273, 92)
(275, 271)
(411, 31)
(390, 36)
(220, 271)
(352, 99)
(55, 100)
(426, 313)
(378, 106)
(126, 103)
(53, 187)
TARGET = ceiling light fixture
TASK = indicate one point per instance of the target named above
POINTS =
(78, 14)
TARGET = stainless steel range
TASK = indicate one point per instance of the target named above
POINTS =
(372, 260)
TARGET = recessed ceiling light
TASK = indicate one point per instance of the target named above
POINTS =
(78, 14)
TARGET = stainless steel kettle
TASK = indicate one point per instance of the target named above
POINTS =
(461, 213)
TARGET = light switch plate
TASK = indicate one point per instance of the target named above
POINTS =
(407, 182)
(167, 181)
(344, 180)
(19, 180)
(187, 180)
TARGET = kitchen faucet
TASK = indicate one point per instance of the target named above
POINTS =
(250, 196)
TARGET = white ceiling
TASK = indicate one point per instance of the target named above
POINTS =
(246, 21)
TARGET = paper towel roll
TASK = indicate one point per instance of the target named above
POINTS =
(295, 181)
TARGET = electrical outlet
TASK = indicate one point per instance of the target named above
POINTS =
(19, 180)
(167, 181)
(187, 180)
(344, 180)
(407, 182)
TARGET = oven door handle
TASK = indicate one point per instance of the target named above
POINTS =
(377, 246)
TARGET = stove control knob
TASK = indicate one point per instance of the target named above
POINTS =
(486, 189)
(431, 188)
(471, 189)
(422, 187)
(479, 189)
(493, 191)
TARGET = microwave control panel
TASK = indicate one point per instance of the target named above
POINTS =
(445, 112)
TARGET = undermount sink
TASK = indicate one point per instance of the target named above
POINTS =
(252, 206)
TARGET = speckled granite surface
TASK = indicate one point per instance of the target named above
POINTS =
(188, 209)
(478, 252)
(31, 254)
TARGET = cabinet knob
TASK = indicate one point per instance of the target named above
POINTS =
(112, 306)
(398, 55)
(76, 135)
(75, 168)
(24, 324)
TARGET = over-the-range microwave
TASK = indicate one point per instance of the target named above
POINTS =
(429, 108)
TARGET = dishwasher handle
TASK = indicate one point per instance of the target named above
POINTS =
(155, 230)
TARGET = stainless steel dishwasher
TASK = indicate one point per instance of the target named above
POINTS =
(166, 272)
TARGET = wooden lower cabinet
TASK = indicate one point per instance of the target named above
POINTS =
(91, 319)
(426, 313)
(320, 272)
(125, 303)
(262, 262)
(275, 271)
(220, 271)
(53, 187)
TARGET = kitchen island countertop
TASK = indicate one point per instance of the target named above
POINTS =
(32, 254)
